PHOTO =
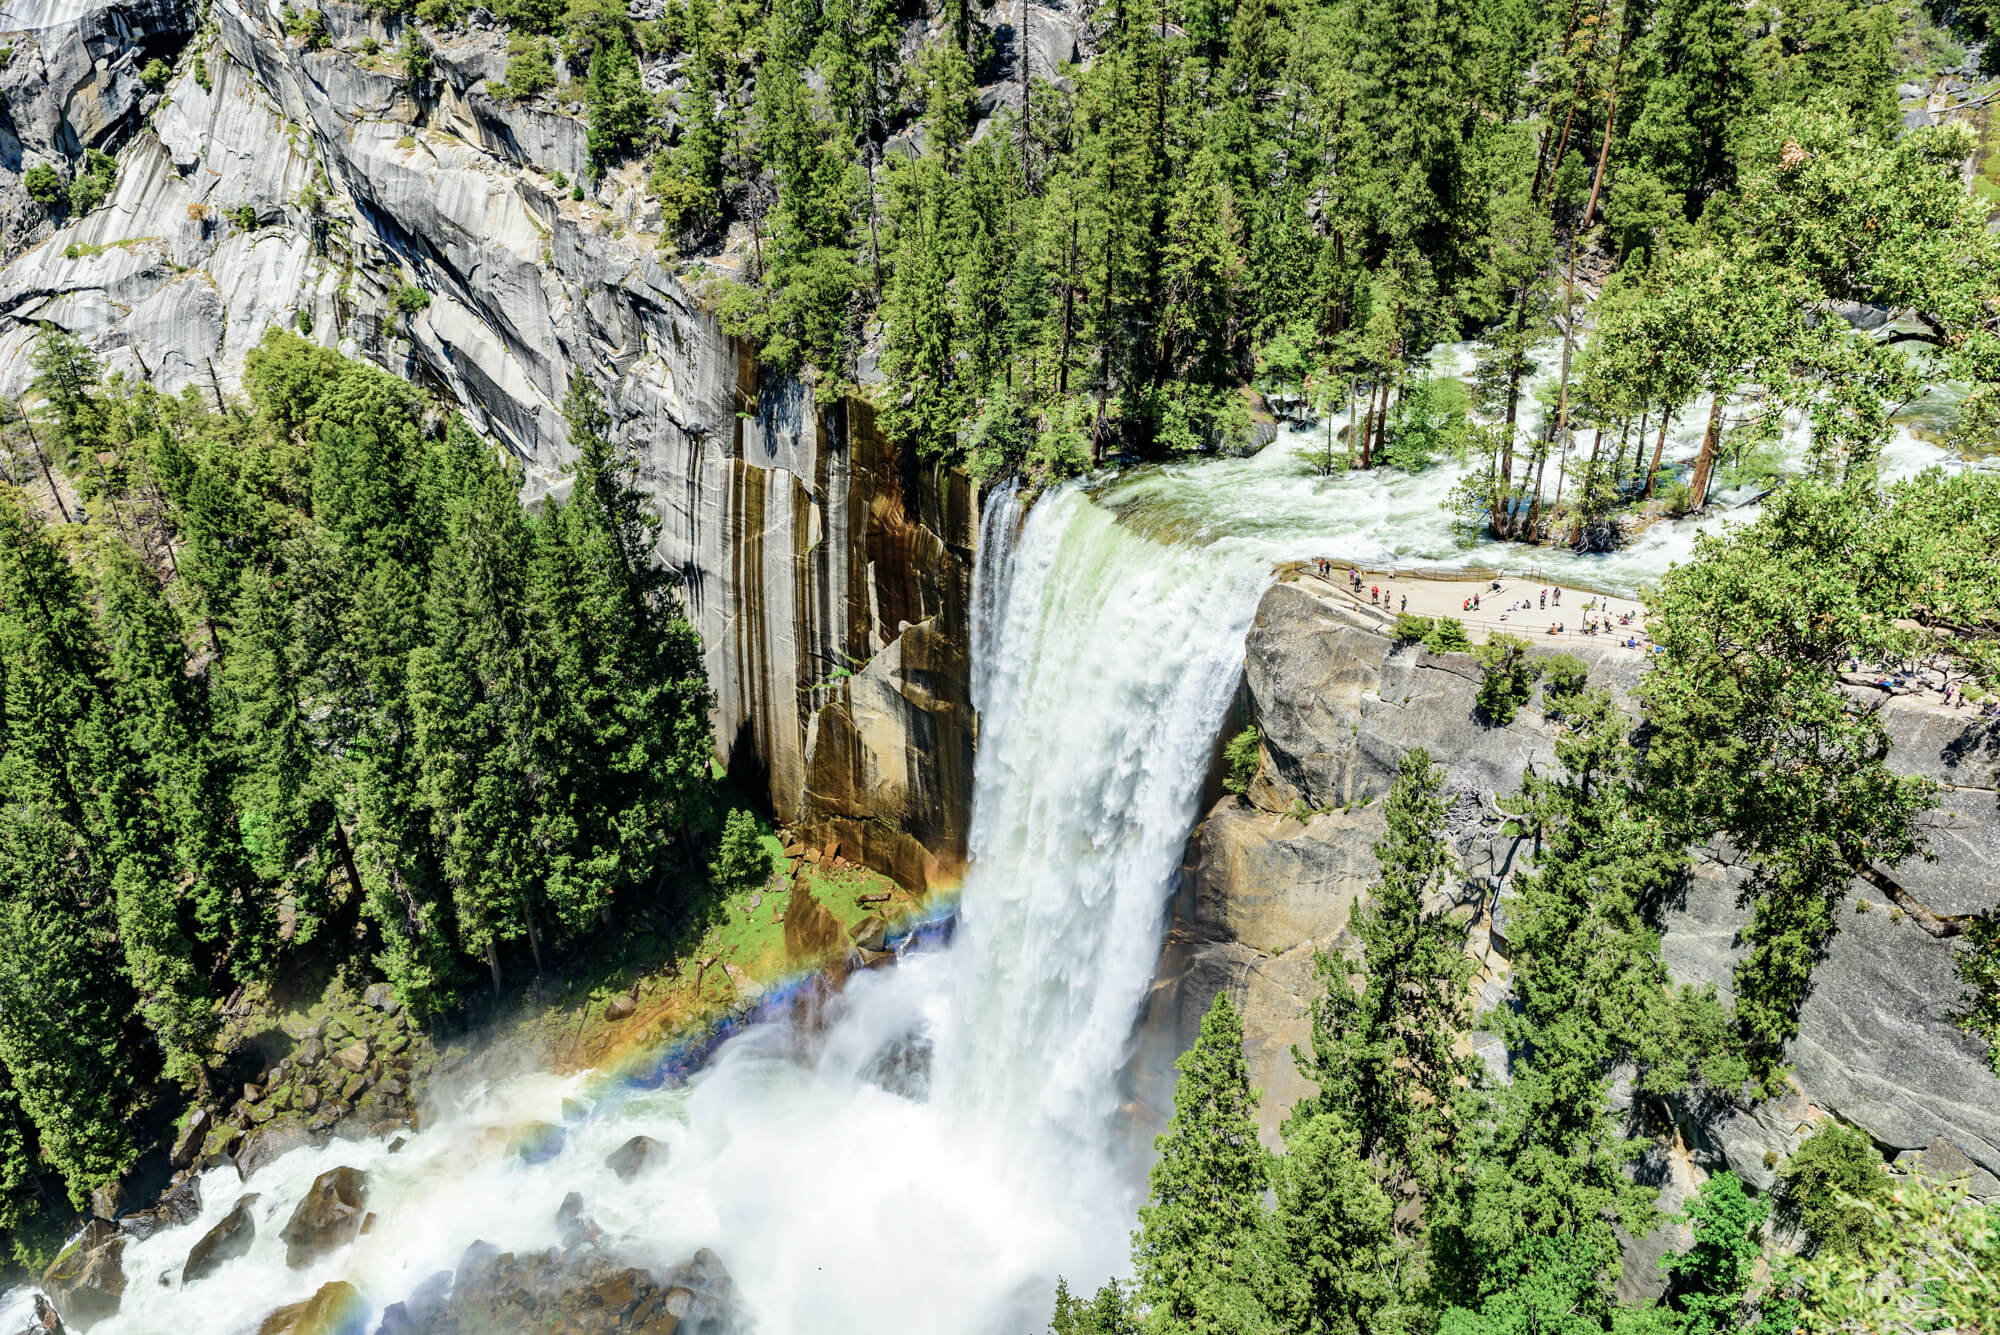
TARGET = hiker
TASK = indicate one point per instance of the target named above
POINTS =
(1545, 600)
(1406, 604)
(1558, 597)
(1475, 602)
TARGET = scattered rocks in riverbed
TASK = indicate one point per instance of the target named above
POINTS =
(584, 1290)
(328, 1218)
(87, 1282)
(629, 1159)
(336, 1309)
(179, 1204)
(228, 1240)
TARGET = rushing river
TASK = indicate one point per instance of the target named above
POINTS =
(1109, 640)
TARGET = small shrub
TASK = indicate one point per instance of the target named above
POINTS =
(1413, 629)
(371, 45)
(1507, 678)
(576, 192)
(1563, 678)
(562, 181)
(94, 182)
(1978, 964)
(306, 27)
(742, 862)
(155, 73)
(410, 299)
(201, 75)
(407, 142)
(1447, 636)
(1828, 1185)
(1239, 760)
(245, 217)
(305, 321)
(413, 58)
(530, 67)
(44, 184)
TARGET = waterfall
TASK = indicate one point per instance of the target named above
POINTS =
(840, 1198)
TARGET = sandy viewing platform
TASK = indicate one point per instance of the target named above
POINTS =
(1570, 612)
(1384, 593)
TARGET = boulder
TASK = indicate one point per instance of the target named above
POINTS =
(381, 996)
(228, 1240)
(353, 1057)
(87, 1282)
(871, 933)
(265, 1144)
(812, 933)
(337, 1309)
(179, 1204)
(629, 1159)
(620, 1007)
(328, 1218)
(539, 1142)
(188, 1143)
(310, 1053)
(107, 1201)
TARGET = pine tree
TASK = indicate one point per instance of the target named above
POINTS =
(1342, 1269)
(1194, 1250)
(1382, 1055)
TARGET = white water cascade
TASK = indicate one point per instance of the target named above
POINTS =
(1108, 643)
(1107, 661)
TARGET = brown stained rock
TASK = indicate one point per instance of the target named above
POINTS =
(871, 934)
(329, 1217)
(228, 1240)
(812, 933)
(337, 1309)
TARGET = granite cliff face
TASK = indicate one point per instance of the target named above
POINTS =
(1338, 704)
(270, 184)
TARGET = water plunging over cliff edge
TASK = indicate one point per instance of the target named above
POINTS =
(847, 1185)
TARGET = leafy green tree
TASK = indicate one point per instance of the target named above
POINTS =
(1383, 1055)
(1757, 732)
(619, 107)
(1506, 677)
(1931, 1261)
(1712, 1278)
(1194, 1250)
(742, 863)
(1826, 1188)
(1342, 1269)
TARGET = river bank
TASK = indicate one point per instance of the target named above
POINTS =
(304, 1073)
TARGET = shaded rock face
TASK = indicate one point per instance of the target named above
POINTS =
(633, 1157)
(179, 1204)
(581, 1289)
(826, 570)
(1337, 706)
(87, 1282)
(329, 1216)
(230, 1238)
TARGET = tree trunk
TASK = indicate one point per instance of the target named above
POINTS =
(1704, 464)
(1659, 448)
(1604, 148)
(1368, 424)
(1027, 111)
(493, 963)
(534, 935)
(47, 476)
(1069, 307)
